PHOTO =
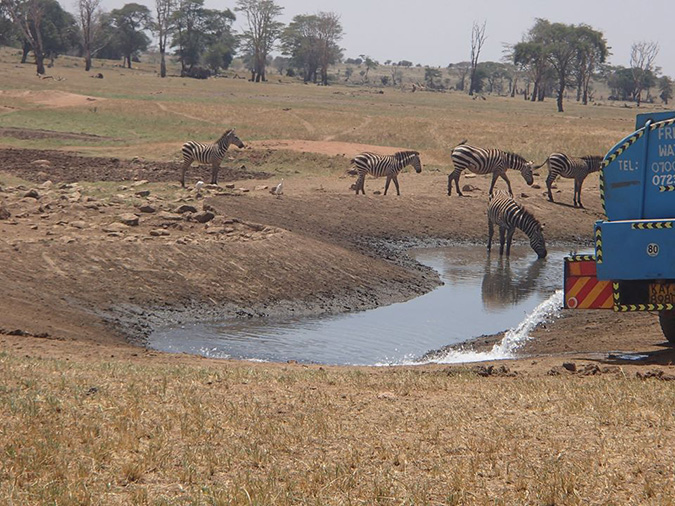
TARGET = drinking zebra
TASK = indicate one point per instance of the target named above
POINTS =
(508, 215)
(559, 164)
(384, 165)
(486, 161)
(208, 153)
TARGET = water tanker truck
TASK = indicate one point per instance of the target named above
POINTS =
(633, 268)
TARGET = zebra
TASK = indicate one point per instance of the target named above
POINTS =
(208, 153)
(559, 164)
(508, 215)
(384, 165)
(485, 161)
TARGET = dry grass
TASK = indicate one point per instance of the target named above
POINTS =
(123, 432)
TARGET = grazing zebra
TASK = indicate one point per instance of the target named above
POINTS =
(508, 215)
(208, 153)
(384, 165)
(485, 161)
(559, 164)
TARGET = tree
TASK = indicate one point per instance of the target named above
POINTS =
(130, 22)
(90, 26)
(592, 51)
(431, 75)
(666, 89)
(531, 57)
(642, 56)
(262, 32)
(477, 41)
(370, 65)
(164, 12)
(28, 16)
(311, 42)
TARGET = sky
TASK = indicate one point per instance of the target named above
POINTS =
(438, 32)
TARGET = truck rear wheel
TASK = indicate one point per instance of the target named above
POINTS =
(667, 321)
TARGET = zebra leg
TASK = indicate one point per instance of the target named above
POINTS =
(505, 178)
(454, 176)
(398, 192)
(214, 173)
(491, 231)
(549, 182)
(183, 169)
(577, 192)
(386, 185)
(509, 238)
(360, 183)
(502, 231)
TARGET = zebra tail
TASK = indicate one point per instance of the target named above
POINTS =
(464, 141)
(540, 166)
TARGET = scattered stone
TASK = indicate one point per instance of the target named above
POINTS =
(33, 194)
(78, 224)
(656, 373)
(204, 216)
(377, 192)
(42, 163)
(491, 370)
(159, 232)
(140, 183)
(165, 215)
(4, 212)
(244, 190)
(92, 205)
(129, 219)
(114, 228)
(230, 186)
(261, 187)
(524, 196)
(147, 208)
(143, 193)
(469, 188)
(186, 208)
(46, 185)
(570, 366)
(536, 186)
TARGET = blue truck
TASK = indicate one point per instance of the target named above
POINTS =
(633, 268)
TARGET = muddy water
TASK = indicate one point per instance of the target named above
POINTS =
(481, 295)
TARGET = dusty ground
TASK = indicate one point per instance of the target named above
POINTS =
(78, 269)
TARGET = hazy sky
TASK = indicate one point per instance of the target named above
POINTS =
(438, 32)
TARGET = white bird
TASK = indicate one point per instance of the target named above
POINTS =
(278, 190)
(199, 185)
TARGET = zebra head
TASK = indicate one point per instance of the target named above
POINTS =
(537, 242)
(230, 137)
(526, 171)
(593, 162)
(416, 162)
(517, 162)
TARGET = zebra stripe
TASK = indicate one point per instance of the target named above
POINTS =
(211, 154)
(508, 215)
(559, 164)
(486, 161)
(384, 165)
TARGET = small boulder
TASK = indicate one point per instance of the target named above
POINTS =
(186, 208)
(204, 216)
(129, 219)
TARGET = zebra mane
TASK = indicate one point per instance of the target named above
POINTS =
(516, 156)
(593, 161)
(526, 213)
(404, 155)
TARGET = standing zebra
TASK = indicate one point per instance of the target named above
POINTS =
(384, 165)
(508, 215)
(485, 161)
(208, 153)
(559, 164)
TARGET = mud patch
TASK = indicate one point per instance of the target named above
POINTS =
(30, 134)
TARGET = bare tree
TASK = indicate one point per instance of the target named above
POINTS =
(164, 9)
(263, 31)
(642, 56)
(90, 24)
(477, 40)
(28, 16)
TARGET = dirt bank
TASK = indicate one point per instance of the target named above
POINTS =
(99, 249)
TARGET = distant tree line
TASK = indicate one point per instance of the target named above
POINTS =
(553, 59)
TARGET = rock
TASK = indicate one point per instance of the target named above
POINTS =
(42, 163)
(140, 183)
(129, 219)
(114, 228)
(469, 188)
(32, 193)
(4, 212)
(230, 186)
(186, 208)
(142, 193)
(261, 187)
(204, 216)
(158, 232)
(165, 215)
(570, 366)
(377, 192)
(46, 185)
(147, 208)
(78, 224)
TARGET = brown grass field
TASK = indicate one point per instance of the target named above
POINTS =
(86, 417)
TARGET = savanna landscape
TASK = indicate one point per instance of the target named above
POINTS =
(99, 244)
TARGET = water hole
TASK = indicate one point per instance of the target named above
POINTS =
(481, 295)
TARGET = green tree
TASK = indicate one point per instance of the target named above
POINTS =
(592, 51)
(130, 23)
(162, 27)
(262, 32)
(666, 89)
(432, 77)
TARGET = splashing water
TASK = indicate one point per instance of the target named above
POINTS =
(513, 338)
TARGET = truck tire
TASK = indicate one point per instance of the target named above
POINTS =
(667, 321)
